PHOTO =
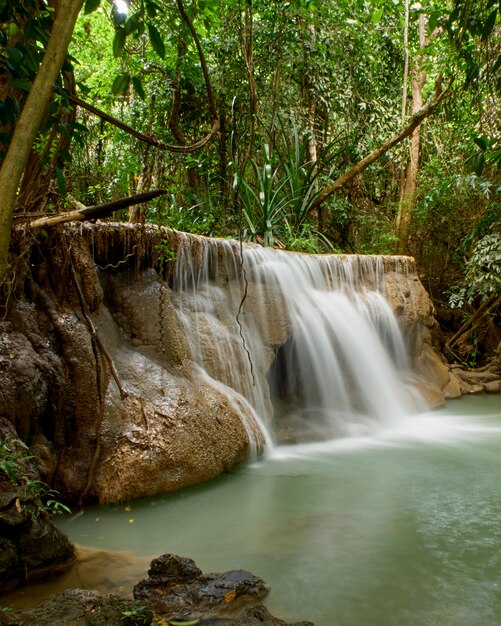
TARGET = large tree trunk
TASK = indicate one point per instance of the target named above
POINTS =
(26, 129)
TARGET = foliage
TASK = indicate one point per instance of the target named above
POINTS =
(14, 466)
(13, 459)
(276, 193)
(304, 90)
(136, 615)
(483, 272)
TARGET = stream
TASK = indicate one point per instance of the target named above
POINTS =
(402, 528)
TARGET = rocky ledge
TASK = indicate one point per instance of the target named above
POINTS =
(176, 593)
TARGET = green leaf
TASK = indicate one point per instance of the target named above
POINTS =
(151, 8)
(32, 60)
(12, 29)
(90, 6)
(433, 21)
(120, 84)
(138, 87)
(132, 24)
(376, 16)
(119, 41)
(489, 24)
(61, 181)
(21, 83)
(156, 41)
(41, 35)
(481, 142)
(14, 55)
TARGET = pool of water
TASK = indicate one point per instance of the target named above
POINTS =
(400, 529)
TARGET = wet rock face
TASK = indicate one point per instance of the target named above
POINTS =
(98, 373)
(82, 608)
(106, 393)
(178, 590)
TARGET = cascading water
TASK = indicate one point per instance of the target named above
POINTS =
(308, 340)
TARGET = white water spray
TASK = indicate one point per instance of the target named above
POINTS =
(308, 340)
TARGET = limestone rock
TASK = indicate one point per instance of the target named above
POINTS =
(112, 396)
(177, 589)
(493, 386)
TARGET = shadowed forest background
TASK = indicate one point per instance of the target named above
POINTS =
(315, 126)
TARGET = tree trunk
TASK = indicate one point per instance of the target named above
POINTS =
(174, 123)
(248, 51)
(410, 181)
(26, 129)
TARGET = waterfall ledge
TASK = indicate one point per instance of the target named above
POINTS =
(101, 375)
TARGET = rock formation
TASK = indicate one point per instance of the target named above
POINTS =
(99, 374)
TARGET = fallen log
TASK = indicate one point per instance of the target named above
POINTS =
(96, 211)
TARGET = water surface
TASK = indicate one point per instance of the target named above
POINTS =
(400, 529)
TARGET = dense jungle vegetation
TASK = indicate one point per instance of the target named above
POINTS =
(318, 126)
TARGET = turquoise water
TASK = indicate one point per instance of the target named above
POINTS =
(400, 529)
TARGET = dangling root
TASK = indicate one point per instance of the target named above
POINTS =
(99, 352)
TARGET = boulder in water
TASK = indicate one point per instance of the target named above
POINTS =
(179, 591)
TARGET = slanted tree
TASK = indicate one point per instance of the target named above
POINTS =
(30, 119)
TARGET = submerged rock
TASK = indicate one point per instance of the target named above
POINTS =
(255, 616)
(179, 591)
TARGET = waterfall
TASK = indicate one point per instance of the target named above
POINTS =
(308, 340)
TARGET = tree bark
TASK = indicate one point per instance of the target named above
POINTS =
(146, 138)
(248, 53)
(410, 182)
(29, 121)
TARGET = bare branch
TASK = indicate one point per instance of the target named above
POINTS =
(414, 122)
(147, 138)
